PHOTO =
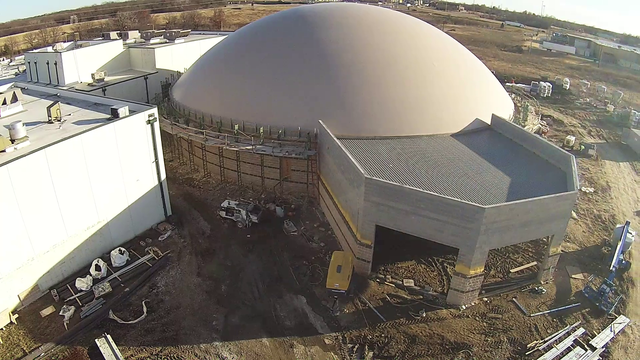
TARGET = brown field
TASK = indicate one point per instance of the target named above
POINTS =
(258, 294)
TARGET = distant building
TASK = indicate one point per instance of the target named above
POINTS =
(130, 68)
(605, 51)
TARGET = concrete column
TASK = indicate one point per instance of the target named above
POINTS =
(551, 258)
(464, 289)
(467, 279)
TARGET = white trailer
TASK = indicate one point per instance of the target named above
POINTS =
(559, 47)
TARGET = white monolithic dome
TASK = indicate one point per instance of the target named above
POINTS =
(363, 70)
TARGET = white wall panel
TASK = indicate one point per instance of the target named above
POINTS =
(181, 56)
(143, 59)
(14, 241)
(133, 90)
(65, 205)
(80, 63)
(39, 61)
(37, 201)
(105, 173)
(133, 145)
(72, 187)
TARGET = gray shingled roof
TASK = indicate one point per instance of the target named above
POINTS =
(482, 167)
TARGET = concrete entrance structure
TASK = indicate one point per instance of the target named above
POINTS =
(421, 146)
(501, 186)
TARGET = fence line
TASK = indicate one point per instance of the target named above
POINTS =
(228, 163)
(189, 116)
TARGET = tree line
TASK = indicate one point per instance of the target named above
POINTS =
(107, 10)
(530, 19)
(123, 20)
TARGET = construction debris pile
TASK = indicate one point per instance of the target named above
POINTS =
(88, 296)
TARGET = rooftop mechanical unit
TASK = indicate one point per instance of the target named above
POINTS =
(119, 111)
(110, 35)
(54, 112)
(150, 34)
(98, 76)
(58, 47)
(173, 35)
(130, 35)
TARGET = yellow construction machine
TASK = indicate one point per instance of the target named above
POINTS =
(340, 273)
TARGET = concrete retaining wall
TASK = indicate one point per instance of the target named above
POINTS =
(418, 213)
(540, 146)
(631, 137)
(344, 180)
(286, 175)
(520, 221)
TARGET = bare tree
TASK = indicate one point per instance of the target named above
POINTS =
(83, 30)
(32, 40)
(143, 19)
(217, 19)
(124, 21)
(49, 34)
(173, 22)
(193, 20)
(10, 46)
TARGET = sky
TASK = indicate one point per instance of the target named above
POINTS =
(617, 15)
(12, 9)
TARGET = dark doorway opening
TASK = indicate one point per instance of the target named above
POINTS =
(404, 256)
(514, 266)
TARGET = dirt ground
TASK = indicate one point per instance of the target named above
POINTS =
(257, 293)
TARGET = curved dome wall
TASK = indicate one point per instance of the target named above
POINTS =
(363, 70)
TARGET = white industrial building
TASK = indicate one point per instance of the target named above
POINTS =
(131, 69)
(88, 176)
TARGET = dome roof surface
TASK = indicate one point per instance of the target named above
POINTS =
(363, 70)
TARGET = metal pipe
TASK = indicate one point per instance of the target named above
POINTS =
(372, 308)
(90, 311)
(556, 309)
(55, 63)
(49, 71)
(553, 338)
(146, 86)
(151, 121)
(37, 74)
(30, 74)
(520, 306)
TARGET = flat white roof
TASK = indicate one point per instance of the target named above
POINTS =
(80, 112)
(163, 43)
(112, 79)
(71, 45)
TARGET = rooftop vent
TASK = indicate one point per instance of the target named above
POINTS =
(119, 111)
(130, 35)
(17, 131)
(110, 35)
(98, 77)
(150, 34)
(10, 102)
(173, 35)
(54, 112)
(58, 47)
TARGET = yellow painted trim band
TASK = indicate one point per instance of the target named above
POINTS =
(465, 270)
(345, 214)
(555, 250)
